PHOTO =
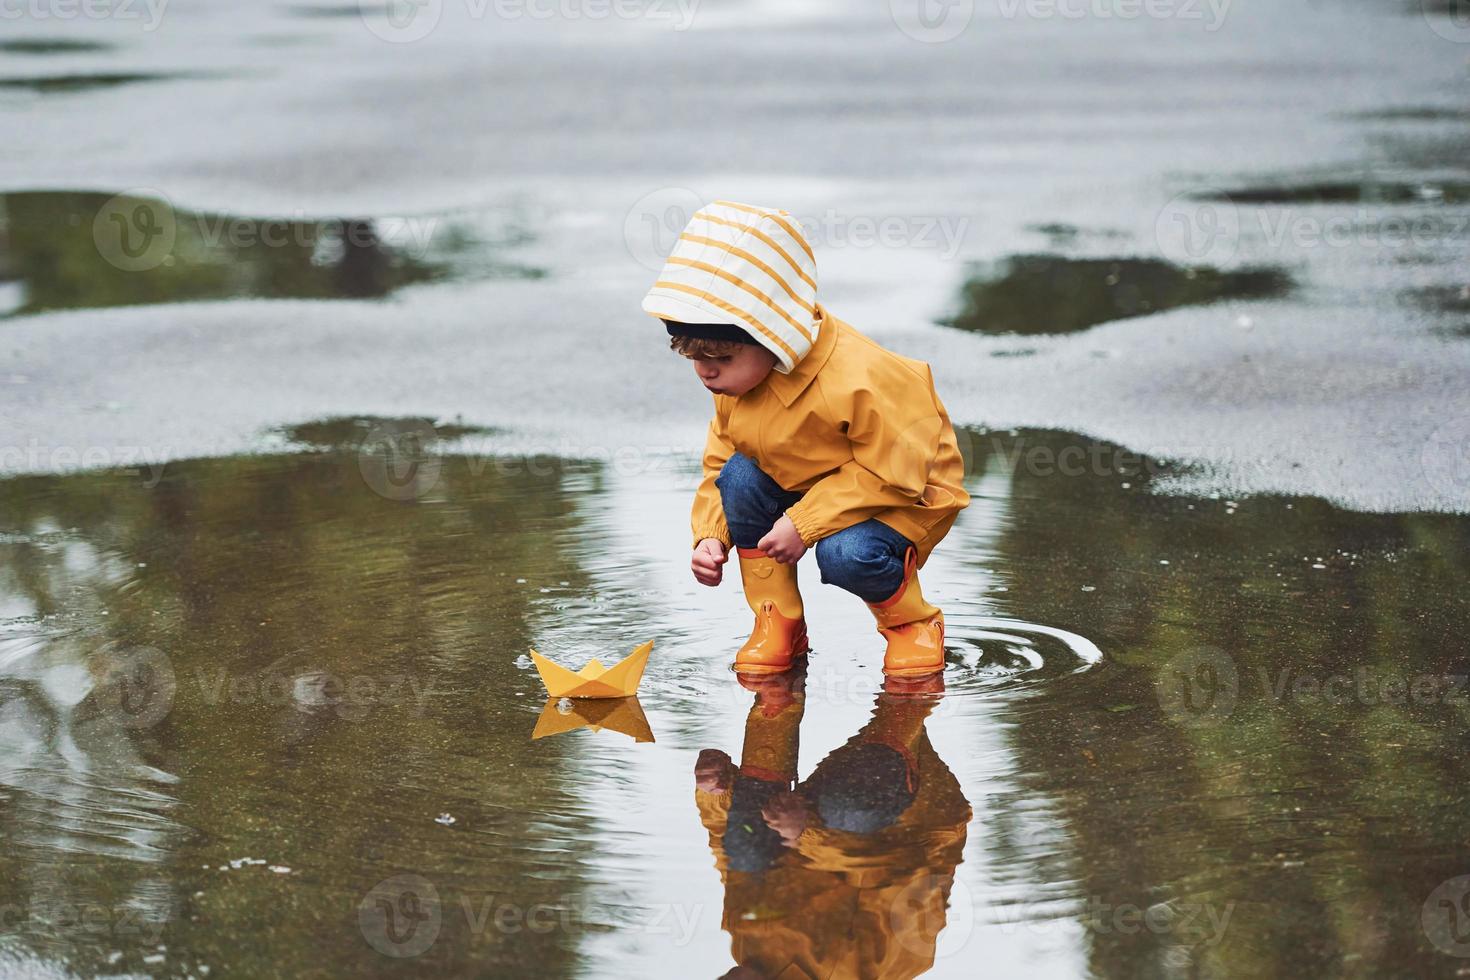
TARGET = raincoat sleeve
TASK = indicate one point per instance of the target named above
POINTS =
(708, 517)
(894, 442)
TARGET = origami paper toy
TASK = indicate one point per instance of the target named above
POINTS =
(623, 715)
(594, 680)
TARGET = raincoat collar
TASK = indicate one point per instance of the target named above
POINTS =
(789, 386)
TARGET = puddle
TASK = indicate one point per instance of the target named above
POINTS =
(281, 40)
(1449, 304)
(335, 11)
(1440, 299)
(1047, 294)
(52, 45)
(66, 84)
(64, 250)
(290, 692)
(354, 432)
(1347, 192)
(1062, 234)
(1419, 113)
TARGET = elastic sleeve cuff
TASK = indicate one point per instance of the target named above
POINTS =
(805, 522)
(720, 532)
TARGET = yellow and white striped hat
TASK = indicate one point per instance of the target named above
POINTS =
(747, 265)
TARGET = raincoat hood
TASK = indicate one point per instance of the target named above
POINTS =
(747, 265)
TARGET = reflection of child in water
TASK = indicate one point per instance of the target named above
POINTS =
(848, 872)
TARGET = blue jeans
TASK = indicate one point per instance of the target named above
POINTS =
(865, 559)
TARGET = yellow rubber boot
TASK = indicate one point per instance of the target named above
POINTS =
(913, 628)
(779, 635)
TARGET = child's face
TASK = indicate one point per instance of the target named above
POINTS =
(737, 372)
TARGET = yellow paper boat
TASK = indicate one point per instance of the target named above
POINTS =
(623, 715)
(594, 680)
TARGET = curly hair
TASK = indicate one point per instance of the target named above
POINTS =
(695, 347)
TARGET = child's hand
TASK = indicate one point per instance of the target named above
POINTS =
(713, 771)
(783, 543)
(786, 813)
(709, 556)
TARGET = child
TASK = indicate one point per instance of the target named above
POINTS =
(820, 438)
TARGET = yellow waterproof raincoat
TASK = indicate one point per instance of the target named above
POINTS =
(857, 428)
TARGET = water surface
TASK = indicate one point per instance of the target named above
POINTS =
(272, 716)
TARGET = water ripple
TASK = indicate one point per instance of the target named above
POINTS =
(988, 652)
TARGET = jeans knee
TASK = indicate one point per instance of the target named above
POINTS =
(741, 484)
(740, 472)
(855, 562)
(752, 500)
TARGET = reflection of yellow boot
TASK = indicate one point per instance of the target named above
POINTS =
(772, 726)
(898, 719)
(779, 635)
(913, 628)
